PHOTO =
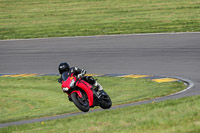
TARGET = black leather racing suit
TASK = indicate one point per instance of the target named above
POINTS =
(76, 72)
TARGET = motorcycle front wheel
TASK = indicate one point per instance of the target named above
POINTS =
(80, 103)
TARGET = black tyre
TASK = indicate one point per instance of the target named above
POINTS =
(106, 102)
(81, 103)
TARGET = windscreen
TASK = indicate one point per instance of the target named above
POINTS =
(65, 76)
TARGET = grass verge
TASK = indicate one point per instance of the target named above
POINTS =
(58, 18)
(31, 97)
(171, 116)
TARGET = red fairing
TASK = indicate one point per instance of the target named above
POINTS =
(65, 84)
(68, 81)
(87, 88)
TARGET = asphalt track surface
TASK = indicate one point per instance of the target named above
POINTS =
(173, 54)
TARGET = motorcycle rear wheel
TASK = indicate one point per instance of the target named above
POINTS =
(80, 103)
(106, 102)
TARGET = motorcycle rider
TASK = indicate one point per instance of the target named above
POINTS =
(64, 67)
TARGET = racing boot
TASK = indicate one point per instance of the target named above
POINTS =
(97, 87)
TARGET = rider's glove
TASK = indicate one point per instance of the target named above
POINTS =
(83, 72)
(59, 80)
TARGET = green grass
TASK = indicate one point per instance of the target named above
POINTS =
(58, 18)
(171, 116)
(32, 97)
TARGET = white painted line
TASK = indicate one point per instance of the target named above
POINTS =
(115, 35)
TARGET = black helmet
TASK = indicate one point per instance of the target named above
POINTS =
(63, 67)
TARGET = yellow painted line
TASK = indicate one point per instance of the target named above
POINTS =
(29, 75)
(20, 75)
(93, 74)
(5, 76)
(164, 80)
(135, 76)
(16, 75)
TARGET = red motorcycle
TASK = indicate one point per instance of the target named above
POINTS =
(82, 94)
